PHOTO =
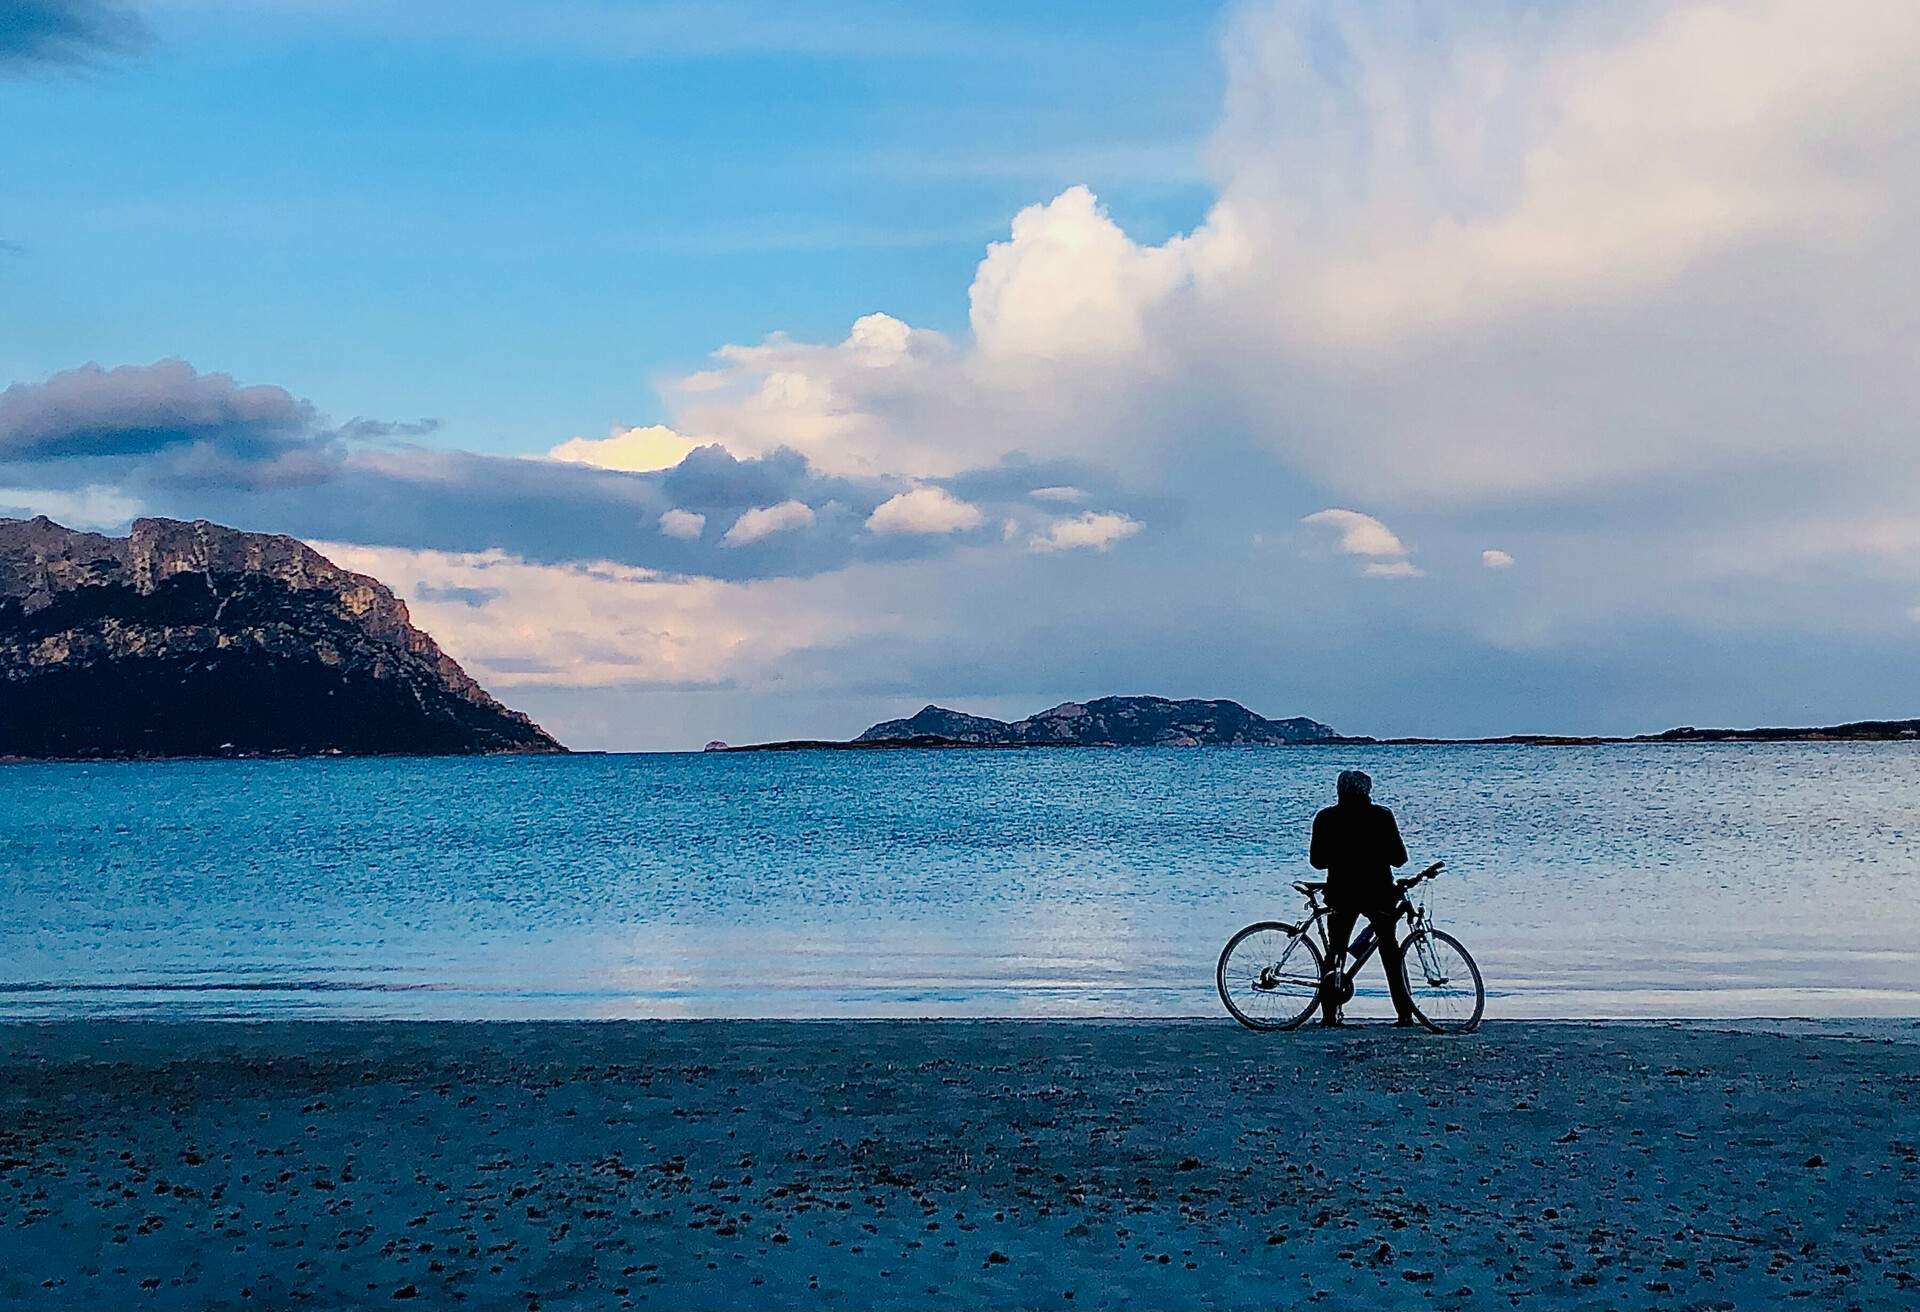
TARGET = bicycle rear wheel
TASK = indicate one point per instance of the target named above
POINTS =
(1448, 995)
(1269, 976)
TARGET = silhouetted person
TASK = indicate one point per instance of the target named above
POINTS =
(1358, 844)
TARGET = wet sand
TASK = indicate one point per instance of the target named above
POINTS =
(940, 1164)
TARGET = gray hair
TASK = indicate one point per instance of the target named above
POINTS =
(1354, 784)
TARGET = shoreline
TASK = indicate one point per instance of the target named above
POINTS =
(17, 1033)
(1894, 731)
(1900, 732)
(1070, 1164)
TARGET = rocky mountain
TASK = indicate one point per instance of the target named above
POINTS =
(1156, 721)
(939, 722)
(192, 639)
(1108, 722)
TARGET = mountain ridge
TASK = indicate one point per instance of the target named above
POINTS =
(193, 639)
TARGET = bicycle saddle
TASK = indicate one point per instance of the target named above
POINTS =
(1311, 887)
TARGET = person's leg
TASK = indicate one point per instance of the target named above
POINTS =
(1339, 930)
(1386, 928)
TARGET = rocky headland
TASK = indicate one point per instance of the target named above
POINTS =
(190, 639)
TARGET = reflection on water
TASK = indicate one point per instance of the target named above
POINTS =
(1627, 880)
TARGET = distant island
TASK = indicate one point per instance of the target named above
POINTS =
(190, 639)
(1856, 731)
(1103, 722)
(1162, 722)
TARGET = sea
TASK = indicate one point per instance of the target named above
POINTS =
(1711, 880)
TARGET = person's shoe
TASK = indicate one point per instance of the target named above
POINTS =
(1405, 1023)
(1333, 1024)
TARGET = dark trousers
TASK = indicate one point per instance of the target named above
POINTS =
(1386, 928)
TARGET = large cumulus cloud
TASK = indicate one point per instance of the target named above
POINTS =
(1496, 255)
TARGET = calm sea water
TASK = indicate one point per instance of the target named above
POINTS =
(1697, 881)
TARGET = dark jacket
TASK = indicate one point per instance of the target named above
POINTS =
(1358, 844)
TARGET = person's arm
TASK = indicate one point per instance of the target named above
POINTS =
(1396, 849)
(1317, 853)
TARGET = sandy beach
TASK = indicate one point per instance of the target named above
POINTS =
(1003, 1164)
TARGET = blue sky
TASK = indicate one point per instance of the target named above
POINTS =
(709, 370)
(466, 212)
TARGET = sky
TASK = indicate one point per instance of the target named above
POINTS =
(740, 371)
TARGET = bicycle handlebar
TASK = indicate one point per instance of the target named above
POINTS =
(1314, 889)
(1404, 884)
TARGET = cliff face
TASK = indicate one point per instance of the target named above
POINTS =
(1110, 722)
(192, 639)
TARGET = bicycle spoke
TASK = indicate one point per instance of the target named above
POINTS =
(1442, 984)
(1268, 979)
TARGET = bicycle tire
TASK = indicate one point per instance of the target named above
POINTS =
(1415, 978)
(1264, 1024)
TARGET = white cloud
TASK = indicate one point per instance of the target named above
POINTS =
(852, 407)
(636, 449)
(1504, 256)
(682, 524)
(924, 510)
(1062, 493)
(1359, 535)
(1097, 530)
(878, 341)
(96, 506)
(1857, 539)
(765, 521)
(1494, 558)
(1516, 164)
(1363, 535)
(514, 623)
(1069, 283)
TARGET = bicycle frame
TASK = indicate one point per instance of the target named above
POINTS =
(1359, 949)
(1364, 944)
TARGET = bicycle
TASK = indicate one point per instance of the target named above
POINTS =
(1271, 973)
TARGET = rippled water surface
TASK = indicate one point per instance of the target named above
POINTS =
(1670, 880)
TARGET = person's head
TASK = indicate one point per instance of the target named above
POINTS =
(1354, 786)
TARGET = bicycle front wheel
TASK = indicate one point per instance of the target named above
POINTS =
(1448, 995)
(1269, 976)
